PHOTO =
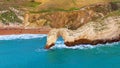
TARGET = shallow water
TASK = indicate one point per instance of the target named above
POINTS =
(27, 51)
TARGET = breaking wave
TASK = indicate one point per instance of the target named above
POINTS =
(61, 45)
(21, 36)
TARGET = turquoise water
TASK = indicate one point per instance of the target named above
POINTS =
(28, 52)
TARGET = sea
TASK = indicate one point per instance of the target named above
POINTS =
(27, 51)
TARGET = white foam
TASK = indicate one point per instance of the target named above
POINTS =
(61, 45)
(21, 36)
(40, 50)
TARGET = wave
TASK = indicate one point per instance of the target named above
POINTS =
(61, 45)
(21, 36)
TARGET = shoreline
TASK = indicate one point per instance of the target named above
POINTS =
(85, 42)
(91, 42)
(10, 31)
(93, 33)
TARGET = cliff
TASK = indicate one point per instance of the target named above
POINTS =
(69, 14)
(71, 19)
(99, 32)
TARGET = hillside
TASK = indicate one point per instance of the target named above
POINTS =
(54, 14)
(68, 4)
(47, 4)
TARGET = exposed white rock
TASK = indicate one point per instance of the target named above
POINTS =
(106, 30)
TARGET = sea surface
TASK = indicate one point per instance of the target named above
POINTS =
(27, 51)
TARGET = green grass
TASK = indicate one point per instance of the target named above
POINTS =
(114, 13)
(55, 10)
(115, 0)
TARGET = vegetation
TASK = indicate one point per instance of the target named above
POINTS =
(32, 4)
(9, 17)
(114, 13)
(49, 6)
(101, 25)
(55, 10)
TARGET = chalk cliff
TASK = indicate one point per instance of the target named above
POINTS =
(101, 31)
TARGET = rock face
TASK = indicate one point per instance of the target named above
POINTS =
(102, 31)
(69, 19)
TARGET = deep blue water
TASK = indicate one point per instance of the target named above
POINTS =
(30, 53)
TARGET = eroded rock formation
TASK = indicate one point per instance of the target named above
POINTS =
(69, 19)
(102, 31)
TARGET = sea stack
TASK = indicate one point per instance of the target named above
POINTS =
(102, 31)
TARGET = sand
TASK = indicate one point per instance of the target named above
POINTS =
(10, 31)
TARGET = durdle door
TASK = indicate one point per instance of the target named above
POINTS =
(106, 31)
(103, 27)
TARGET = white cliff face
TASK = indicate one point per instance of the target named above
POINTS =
(99, 30)
(107, 29)
(52, 36)
(112, 29)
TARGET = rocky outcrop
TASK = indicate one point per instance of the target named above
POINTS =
(69, 19)
(72, 18)
(102, 31)
(26, 20)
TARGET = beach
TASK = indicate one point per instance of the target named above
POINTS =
(10, 31)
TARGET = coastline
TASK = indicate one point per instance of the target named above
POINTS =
(99, 32)
(10, 31)
(91, 42)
